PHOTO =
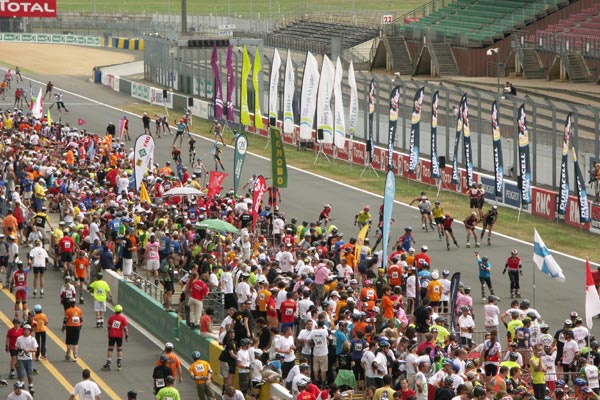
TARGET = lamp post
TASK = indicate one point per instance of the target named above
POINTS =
(490, 52)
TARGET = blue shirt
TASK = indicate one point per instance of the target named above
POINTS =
(483, 272)
(340, 338)
(358, 346)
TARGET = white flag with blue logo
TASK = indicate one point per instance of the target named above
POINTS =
(544, 260)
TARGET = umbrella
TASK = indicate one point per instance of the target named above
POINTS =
(182, 191)
(217, 225)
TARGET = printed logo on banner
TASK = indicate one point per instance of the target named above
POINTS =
(464, 179)
(406, 167)
(342, 152)
(358, 153)
(44, 38)
(383, 160)
(543, 203)
(572, 216)
(425, 167)
(27, 37)
(70, 39)
(328, 149)
(58, 38)
(512, 194)
(595, 214)
(377, 158)
(23, 9)
(446, 175)
(489, 185)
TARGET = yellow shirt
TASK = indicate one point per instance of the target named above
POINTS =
(438, 212)
(101, 290)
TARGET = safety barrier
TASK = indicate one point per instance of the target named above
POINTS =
(150, 313)
(122, 43)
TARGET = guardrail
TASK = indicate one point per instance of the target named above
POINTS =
(148, 287)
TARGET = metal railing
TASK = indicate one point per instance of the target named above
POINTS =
(148, 287)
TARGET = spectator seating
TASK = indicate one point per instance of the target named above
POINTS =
(578, 29)
(324, 31)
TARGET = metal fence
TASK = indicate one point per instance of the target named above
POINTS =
(545, 116)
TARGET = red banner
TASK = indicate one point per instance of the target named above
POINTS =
(377, 159)
(25, 8)
(572, 215)
(342, 153)
(544, 203)
(425, 167)
(328, 150)
(260, 187)
(358, 153)
(215, 183)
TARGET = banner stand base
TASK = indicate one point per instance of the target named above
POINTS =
(321, 153)
(371, 168)
(439, 185)
(227, 129)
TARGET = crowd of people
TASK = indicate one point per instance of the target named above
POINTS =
(306, 307)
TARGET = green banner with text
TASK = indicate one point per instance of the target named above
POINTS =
(278, 164)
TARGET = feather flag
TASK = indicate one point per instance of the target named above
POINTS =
(50, 122)
(274, 89)
(544, 260)
(308, 101)
(592, 300)
(218, 94)
(144, 194)
(324, 115)
(353, 109)
(244, 112)
(288, 96)
(37, 108)
(339, 116)
(258, 122)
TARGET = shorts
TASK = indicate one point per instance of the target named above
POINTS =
(425, 212)
(99, 306)
(127, 266)
(178, 133)
(3, 261)
(168, 286)
(226, 369)
(21, 296)
(491, 370)
(320, 363)
(66, 257)
(152, 265)
(551, 385)
(80, 278)
(39, 270)
(287, 324)
(439, 220)
(72, 336)
(473, 203)
(13, 353)
(435, 304)
(449, 229)
(25, 368)
(115, 340)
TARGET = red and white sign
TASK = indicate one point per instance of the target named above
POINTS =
(543, 203)
(377, 159)
(447, 179)
(358, 153)
(387, 19)
(328, 149)
(24, 8)
(343, 153)
(425, 167)
(595, 215)
(397, 161)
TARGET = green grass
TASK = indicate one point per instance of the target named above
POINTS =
(557, 236)
(245, 7)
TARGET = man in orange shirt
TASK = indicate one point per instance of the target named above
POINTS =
(82, 272)
(72, 325)
(434, 290)
(387, 304)
(174, 363)
(368, 294)
(394, 273)
(11, 225)
(262, 297)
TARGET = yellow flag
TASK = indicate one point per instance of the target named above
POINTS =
(360, 240)
(258, 122)
(244, 112)
(49, 118)
(144, 194)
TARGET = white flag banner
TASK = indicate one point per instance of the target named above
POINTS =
(143, 154)
(353, 110)
(288, 95)
(274, 88)
(310, 85)
(37, 110)
(592, 300)
(324, 115)
(340, 123)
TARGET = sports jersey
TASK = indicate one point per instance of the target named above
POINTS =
(101, 290)
(38, 256)
(434, 291)
(20, 280)
(200, 370)
(73, 316)
(40, 219)
(116, 325)
(41, 321)
(288, 309)
(395, 275)
(66, 244)
(168, 393)
(152, 251)
(438, 212)
(81, 266)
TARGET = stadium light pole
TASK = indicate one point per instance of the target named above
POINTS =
(489, 53)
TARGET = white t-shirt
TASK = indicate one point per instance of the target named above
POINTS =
(25, 342)
(303, 335)
(285, 261)
(303, 306)
(23, 396)
(411, 286)
(38, 255)
(243, 292)
(548, 362)
(411, 363)
(243, 361)
(466, 322)
(591, 375)
(445, 290)
(284, 344)
(278, 225)
(227, 282)
(422, 381)
(94, 231)
(579, 335)
(319, 337)
(569, 351)
(87, 390)
(491, 313)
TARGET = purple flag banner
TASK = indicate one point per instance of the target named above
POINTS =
(214, 63)
(230, 83)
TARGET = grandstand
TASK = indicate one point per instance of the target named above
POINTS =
(308, 35)
(535, 39)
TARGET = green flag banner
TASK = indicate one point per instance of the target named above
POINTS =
(241, 146)
(244, 112)
(278, 165)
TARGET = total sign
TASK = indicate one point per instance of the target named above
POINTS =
(24, 8)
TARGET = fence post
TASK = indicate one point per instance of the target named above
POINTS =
(553, 107)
